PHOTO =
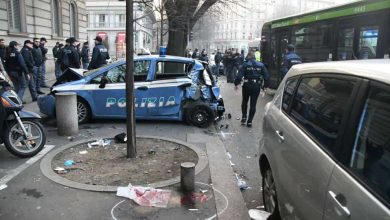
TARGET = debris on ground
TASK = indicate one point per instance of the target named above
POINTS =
(151, 152)
(193, 209)
(241, 183)
(69, 163)
(145, 196)
(194, 198)
(203, 190)
(229, 116)
(248, 157)
(99, 143)
(257, 214)
(238, 118)
(60, 170)
(70, 138)
(83, 152)
(226, 126)
(3, 186)
(229, 155)
(121, 138)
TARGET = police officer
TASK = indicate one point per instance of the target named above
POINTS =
(37, 70)
(99, 54)
(29, 60)
(44, 58)
(289, 59)
(229, 65)
(2, 51)
(62, 56)
(16, 68)
(85, 55)
(57, 68)
(74, 55)
(255, 76)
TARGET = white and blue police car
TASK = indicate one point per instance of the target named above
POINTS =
(165, 88)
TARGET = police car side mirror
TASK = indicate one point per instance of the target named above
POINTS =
(103, 82)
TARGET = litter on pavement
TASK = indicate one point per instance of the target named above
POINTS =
(121, 138)
(69, 163)
(3, 186)
(256, 214)
(99, 143)
(241, 183)
(60, 170)
(145, 196)
(83, 152)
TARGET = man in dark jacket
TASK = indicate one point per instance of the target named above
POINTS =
(29, 60)
(228, 63)
(217, 59)
(85, 55)
(74, 56)
(44, 58)
(16, 68)
(37, 70)
(99, 54)
(255, 76)
(57, 68)
(2, 50)
(289, 59)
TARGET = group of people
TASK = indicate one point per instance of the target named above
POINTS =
(27, 67)
(71, 56)
(256, 78)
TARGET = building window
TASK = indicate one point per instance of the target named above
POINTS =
(102, 20)
(14, 16)
(56, 15)
(73, 18)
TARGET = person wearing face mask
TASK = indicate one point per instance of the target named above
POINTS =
(99, 54)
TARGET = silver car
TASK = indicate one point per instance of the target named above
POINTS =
(325, 153)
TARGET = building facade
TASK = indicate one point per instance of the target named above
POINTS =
(107, 19)
(55, 20)
(239, 25)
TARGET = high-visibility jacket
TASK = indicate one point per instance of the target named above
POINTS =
(258, 56)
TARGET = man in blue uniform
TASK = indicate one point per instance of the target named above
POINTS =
(256, 77)
(289, 59)
(29, 60)
(99, 54)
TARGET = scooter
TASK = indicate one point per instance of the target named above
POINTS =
(22, 134)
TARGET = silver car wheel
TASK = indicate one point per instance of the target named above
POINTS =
(269, 191)
(81, 111)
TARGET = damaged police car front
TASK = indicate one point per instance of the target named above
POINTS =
(165, 88)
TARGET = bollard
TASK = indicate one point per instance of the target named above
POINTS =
(66, 112)
(187, 176)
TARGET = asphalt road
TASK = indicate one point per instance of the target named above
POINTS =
(30, 195)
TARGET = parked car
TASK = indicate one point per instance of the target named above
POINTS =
(325, 152)
(166, 88)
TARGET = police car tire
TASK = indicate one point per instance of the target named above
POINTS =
(199, 108)
(88, 111)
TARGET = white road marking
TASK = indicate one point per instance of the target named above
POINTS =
(113, 208)
(14, 172)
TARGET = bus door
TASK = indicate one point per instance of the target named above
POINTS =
(282, 39)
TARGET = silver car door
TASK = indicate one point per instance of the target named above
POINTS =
(310, 135)
(360, 187)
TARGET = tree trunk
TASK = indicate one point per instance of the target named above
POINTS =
(177, 41)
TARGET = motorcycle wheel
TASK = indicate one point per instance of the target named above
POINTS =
(18, 145)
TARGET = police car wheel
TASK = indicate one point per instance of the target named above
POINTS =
(200, 115)
(83, 111)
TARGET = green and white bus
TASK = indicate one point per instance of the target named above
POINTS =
(359, 30)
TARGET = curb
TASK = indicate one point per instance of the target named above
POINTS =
(47, 169)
